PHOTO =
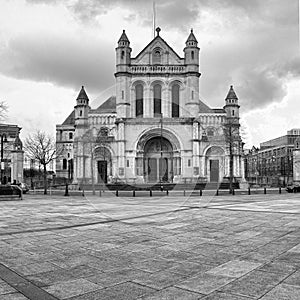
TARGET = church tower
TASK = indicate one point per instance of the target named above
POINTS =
(81, 108)
(191, 60)
(123, 59)
(232, 106)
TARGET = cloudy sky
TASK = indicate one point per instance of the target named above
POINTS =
(50, 48)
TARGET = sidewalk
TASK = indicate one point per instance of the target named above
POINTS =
(211, 247)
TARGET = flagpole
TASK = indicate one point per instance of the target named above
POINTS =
(154, 19)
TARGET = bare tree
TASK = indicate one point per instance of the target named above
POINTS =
(41, 147)
(234, 143)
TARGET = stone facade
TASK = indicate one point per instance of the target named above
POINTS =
(155, 129)
(12, 154)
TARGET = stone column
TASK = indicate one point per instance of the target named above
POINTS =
(17, 158)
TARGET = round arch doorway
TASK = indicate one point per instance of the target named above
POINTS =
(158, 160)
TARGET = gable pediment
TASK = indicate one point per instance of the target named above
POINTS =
(157, 45)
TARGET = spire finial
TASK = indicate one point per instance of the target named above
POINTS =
(157, 31)
(191, 30)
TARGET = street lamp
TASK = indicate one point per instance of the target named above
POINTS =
(3, 140)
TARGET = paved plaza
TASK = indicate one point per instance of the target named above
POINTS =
(162, 247)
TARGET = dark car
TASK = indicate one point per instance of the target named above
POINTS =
(24, 187)
(293, 188)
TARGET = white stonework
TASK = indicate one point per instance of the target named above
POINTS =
(156, 129)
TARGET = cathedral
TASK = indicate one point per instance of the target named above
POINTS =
(155, 128)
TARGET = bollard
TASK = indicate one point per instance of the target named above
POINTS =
(150, 193)
(117, 192)
(249, 191)
(200, 192)
(82, 192)
(167, 192)
(184, 192)
(133, 193)
(233, 192)
(217, 193)
(280, 190)
(100, 194)
(265, 190)
(67, 190)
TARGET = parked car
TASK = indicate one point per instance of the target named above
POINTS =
(24, 187)
(293, 188)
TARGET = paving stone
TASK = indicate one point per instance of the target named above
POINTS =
(278, 267)
(67, 289)
(234, 268)
(6, 289)
(204, 283)
(173, 293)
(129, 290)
(35, 268)
(224, 296)
(294, 279)
(189, 268)
(160, 280)
(14, 296)
(255, 284)
(283, 292)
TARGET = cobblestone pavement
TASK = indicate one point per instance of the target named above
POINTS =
(161, 247)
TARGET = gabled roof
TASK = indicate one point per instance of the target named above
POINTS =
(203, 108)
(70, 120)
(231, 94)
(108, 106)
(82, 95)
(156, 39)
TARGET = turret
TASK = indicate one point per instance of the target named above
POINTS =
(123, 52)
(81, 108)
(232, 105)
(123, 60)
(191, 52)
(191, 60)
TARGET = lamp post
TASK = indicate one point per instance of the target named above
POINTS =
(161, 149)
(3, 140)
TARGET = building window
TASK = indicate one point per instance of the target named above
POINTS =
(80, 113)
(122, 94)
(210, 132)
(103, 131)
(70, 135)
(139, 92)
(193, 55)
(122, 54)
(64, 164)
(157, 100)
(175, 101)
(189, 162)
(156, 56)
(192, 95)
(233, 112)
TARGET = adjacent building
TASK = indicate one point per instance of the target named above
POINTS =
(155, 128)
(274, 162)
(12, 154)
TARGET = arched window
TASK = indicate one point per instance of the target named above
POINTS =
(175, 101)
(122, 54)
(192, 54)
(157, 100)
(103, 131)
(156, 56)
(233, 113)
(139, 92)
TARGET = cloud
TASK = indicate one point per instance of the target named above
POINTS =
(62, 60)
(251, 44)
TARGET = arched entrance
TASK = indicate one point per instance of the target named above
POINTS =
(104, 164)
(215, 164)
(158, 160)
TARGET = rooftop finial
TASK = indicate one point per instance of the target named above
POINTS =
(191, 30)
(158, 30)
